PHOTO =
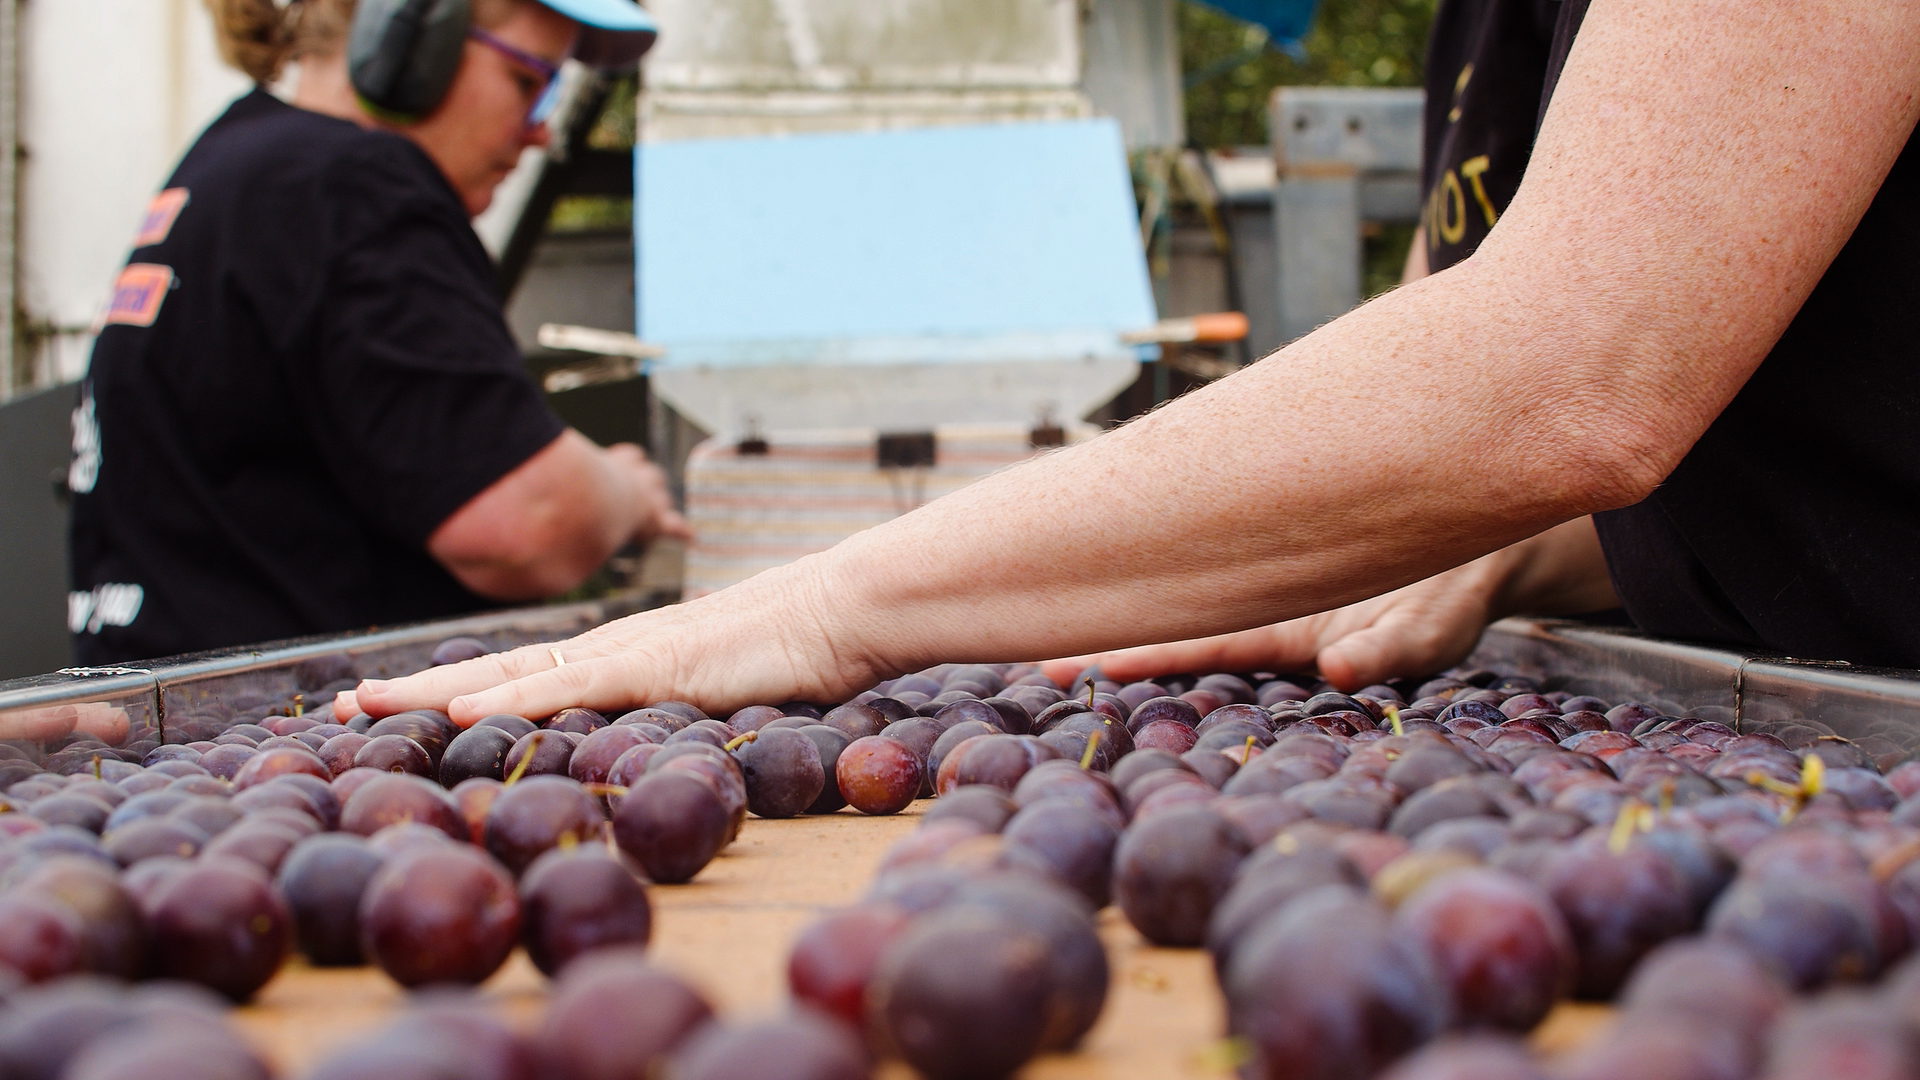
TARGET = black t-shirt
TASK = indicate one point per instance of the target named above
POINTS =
(1793, 525)
(303, 372)
(1486, 62)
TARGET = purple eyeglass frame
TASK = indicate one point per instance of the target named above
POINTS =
(542, 106)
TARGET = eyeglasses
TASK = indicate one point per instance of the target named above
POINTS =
(542, 106)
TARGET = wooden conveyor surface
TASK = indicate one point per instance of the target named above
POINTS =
(728, 931)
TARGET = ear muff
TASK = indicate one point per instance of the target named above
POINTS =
(402, 54)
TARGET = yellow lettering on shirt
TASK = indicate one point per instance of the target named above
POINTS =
(1450, 208)
(1459, 87)
(1471, 169)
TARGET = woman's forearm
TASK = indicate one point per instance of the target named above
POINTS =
(1644, 271)
(1699, 167)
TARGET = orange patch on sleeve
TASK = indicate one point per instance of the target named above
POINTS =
(161, 214)
(138, 294)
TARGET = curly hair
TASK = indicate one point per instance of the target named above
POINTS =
(259, 37)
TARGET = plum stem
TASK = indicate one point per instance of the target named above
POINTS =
(740, 740)
(1813, 776)
(1225, 1055)
(1086, 756)
(1393, 717)
(520, 768)
(96, 766)
(1089, 693)
(1795, 794)
(1632, 817)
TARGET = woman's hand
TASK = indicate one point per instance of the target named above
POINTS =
(1423, 627)
(772, 638)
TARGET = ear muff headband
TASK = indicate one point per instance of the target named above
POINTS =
(402, 54)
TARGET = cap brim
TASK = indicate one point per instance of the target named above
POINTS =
(614, 33)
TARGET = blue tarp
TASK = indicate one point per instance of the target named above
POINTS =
(934, 242)
(1286, 21)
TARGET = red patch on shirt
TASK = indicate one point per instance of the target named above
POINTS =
(138, 294)
(161, 214)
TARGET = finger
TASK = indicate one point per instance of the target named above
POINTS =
(345, 706)
(1283, 647)
(674, 524)
(605, 683)
(38, 725)
(1391, 647)
(436, 686)
(1066, 669)
(105, 722)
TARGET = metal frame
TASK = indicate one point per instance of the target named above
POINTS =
(1797, 699)
(181, 684)
(1341, 156)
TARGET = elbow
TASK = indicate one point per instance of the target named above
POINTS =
(1610, 459)
(519, 580)
(542, 556)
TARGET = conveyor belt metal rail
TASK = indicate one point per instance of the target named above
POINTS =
(1748, 691)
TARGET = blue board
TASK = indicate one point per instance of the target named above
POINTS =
(944, 243)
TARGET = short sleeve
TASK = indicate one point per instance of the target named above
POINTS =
(416, 376)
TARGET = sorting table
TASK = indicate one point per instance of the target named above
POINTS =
(729, 930)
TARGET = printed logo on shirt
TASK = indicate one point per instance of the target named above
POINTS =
(1445, 214)
(161, 213)
(84, 471)
(110, 604)
(138, 294)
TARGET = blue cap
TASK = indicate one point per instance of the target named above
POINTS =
(613, 32)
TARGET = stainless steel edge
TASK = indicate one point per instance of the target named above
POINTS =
(1797, 699)
(1615, 664)
(270, 668)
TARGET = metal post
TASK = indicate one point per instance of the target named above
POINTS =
(1316, 228)
(9, 191)
(1340, 154)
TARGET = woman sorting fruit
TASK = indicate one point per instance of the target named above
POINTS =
(1676, 375)
(305, 412)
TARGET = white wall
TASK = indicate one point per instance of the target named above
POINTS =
(112, 93)
(1133, 70)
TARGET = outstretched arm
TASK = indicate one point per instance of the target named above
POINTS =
(1701, 164)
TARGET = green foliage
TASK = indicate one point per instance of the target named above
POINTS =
(591, 214)
(615, 127)
(1352, 43)
(1383, 256)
